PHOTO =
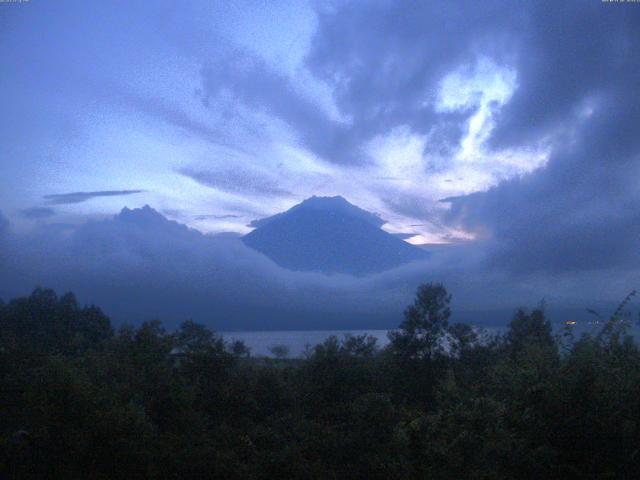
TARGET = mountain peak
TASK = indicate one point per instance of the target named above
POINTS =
(333, 205)
(145, 215)
(330, 235)
(149, 219)
(325, 201)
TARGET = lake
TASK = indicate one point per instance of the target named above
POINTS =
(297, 340)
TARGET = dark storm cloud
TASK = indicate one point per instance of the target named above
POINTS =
(577, 81)
(397, 93)
(578, 213)
(236, 181)
(570, 53)
(37, 212)
(384, 62)
(78, 197)
(577, 74)
(576, 71)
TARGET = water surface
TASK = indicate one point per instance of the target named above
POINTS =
(296, 341)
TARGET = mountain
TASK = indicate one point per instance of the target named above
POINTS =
(330, 235)
(140, 232)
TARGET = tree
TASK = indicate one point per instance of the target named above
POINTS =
(193, 338)
(239, 349)
(426, 321)
(462, 338)
(531, 328)
(44, 322)
(279, 351)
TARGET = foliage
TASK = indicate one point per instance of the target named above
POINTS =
(79, 400)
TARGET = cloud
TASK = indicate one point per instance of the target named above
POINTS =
(386, 62)
(4, 238)
(139, 265)
(425, 77)
(561, 70)
(4, 224)
(78, 197)
(566, 219)
(567, 207)
(577, 213)
(237, 180)
(36, 213)
(215, 217)
(404, 236)
(248, 79)
(164, 111)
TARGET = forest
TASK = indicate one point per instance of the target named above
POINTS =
(81, 399)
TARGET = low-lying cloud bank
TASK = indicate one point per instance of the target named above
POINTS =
(140, 266)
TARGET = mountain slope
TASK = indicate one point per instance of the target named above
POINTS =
(330, 235)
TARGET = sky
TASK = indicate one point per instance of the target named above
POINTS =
(509, 127)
